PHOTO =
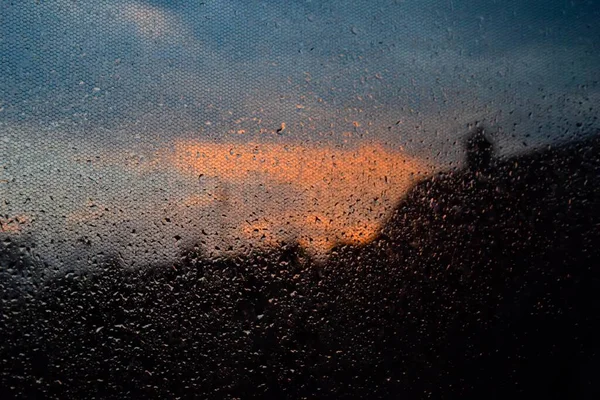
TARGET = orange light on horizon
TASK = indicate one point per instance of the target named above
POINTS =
(14, 224)
(148, 204)
(322, 196)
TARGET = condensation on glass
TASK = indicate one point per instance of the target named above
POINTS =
(302, 199)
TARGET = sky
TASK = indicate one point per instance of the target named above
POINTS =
(116, 115)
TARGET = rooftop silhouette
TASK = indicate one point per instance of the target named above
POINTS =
(479, 150)
(471, 290)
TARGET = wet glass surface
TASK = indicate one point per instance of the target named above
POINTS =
(303, 199)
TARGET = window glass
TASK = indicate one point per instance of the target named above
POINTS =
(299, 199)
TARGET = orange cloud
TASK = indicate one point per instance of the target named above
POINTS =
(14, 224)
(318, 196)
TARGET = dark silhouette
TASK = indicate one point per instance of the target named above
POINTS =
(479, 150)
(471, 291)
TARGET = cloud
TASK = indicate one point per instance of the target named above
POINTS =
(147, 206)
(150, 22)
(176, 66)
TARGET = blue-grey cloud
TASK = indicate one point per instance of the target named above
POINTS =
(177, 65)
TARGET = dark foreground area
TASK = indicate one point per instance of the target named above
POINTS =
(483, 284)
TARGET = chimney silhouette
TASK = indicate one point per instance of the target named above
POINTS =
(480, 150)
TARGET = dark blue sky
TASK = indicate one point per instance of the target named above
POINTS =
(176, 65)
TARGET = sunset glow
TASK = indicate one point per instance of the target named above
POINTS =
(227, 198)
(320, 196)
